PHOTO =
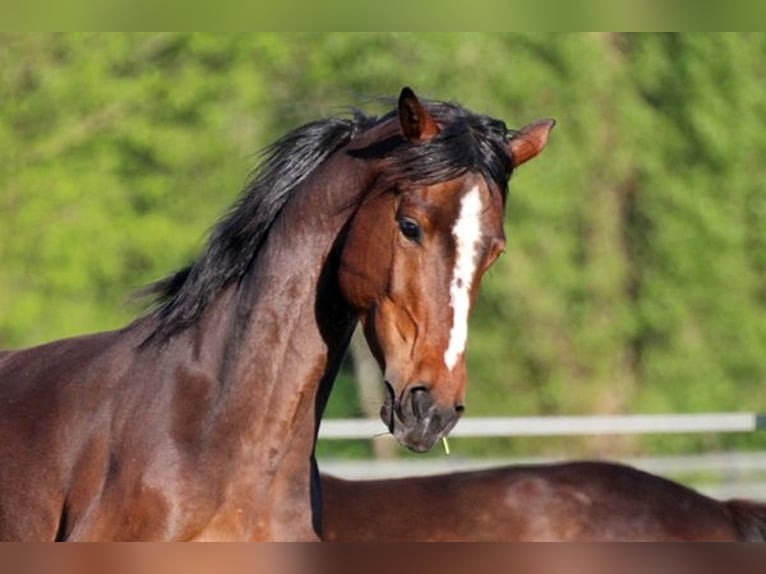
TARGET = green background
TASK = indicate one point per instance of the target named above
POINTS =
(635, 275)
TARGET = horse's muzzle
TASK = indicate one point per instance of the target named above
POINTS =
(415, 419)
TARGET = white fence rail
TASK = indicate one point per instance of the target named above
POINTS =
(564, 425)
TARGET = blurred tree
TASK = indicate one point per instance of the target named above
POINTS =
(635, 274)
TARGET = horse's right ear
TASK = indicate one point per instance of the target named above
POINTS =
(417, 124)
(529, 141)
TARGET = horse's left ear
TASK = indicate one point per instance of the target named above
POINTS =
(417, 124)
(529, 141)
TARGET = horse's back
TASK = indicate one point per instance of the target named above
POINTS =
(34, 377)
(618, 502)
(581, 501)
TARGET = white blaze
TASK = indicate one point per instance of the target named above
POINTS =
(467, 233)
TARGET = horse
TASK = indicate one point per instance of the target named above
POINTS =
(580, 501)
(198, 420)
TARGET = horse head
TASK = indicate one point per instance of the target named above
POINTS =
(415, 254)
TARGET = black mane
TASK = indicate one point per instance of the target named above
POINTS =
(467, 142)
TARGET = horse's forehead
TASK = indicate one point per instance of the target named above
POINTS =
(448, 197)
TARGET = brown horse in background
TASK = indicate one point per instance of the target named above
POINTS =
(198, 421)
(575, 501)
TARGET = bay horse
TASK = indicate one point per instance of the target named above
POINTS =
(198, 421)
(575, 502)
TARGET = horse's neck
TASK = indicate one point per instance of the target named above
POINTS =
(287, 348)
(299, 325)
(270, 361)
(276, 355)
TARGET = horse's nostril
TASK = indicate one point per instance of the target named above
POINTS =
(421, 400)
(459, 409)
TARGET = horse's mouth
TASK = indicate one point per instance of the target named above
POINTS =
(417, 430)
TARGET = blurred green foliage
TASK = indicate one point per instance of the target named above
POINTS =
(635, 274)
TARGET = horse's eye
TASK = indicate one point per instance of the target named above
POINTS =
(410, 228)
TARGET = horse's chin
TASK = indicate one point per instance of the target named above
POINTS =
(416, 442)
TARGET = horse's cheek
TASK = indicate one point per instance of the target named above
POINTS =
(366, 261)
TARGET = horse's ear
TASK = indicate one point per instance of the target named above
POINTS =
(529, 141)
(417, 124)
